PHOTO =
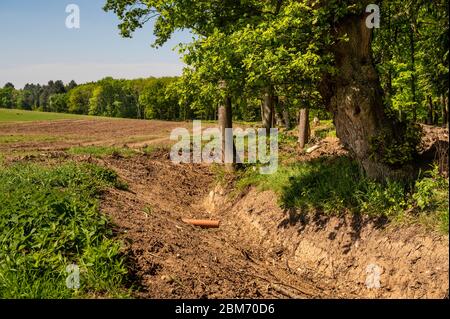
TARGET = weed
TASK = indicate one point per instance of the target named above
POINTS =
(49, 218)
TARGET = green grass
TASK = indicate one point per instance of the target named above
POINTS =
(6, 139)
(101, 151)
(150, 149)
(49, 219)
(336, 187)
(14, 115)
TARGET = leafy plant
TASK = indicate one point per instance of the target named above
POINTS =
(49, 218)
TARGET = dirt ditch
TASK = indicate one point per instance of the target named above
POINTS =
(259, 250)
(171, 259)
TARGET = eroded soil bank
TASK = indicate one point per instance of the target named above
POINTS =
(344, 254)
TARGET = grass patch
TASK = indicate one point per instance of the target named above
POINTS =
(15, 115)
(150, 149)
(101, 151)
(49, 219)
(336, 187)
(6, 139)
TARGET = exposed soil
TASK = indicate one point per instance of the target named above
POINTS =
(67, 133)
(259, 250)
(341, 253)
(172, 259)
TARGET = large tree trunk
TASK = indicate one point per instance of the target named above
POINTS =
(354, 96)
(303, 128)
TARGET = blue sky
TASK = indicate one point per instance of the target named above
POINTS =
(36, 46)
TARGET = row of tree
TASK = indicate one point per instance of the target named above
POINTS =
(150, 98)
(305, 54)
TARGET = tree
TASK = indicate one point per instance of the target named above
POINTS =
(71, 85)
(24, 100)
(8, 85)
(303, 127)
(323, 47)
(411, 54)
(7, 97)
(78, 99)
(58, 103)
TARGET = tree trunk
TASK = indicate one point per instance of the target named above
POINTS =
(226, 121)
(444, 110)
(354, 96)
(278, 116)
(285, 113)
(436, 114)
(430, 114)
(413, 70)
(303, 128)
(268, 109)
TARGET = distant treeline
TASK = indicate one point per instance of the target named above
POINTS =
(149, 98)
(141, 98)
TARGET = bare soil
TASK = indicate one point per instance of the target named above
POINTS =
(114, 132)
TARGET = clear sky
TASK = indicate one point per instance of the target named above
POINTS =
(36, 46)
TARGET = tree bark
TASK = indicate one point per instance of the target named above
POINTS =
(278, 116)
(303, 127)
(268, 109)
(285, 113)
(444, 110)
(430, 119)
(354, 96)
(413, 70)
(225, 115)
(436, 114)
(224, 124)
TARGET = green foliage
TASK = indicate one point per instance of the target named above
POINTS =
(430, 198)
(112, 98)
(54, 223)
(396, 151)
(411, 52)
(374, 198)
(7, 97)
(336, 186)
(251, 45)
(58, 103)
(152, 98)
(78, 99)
